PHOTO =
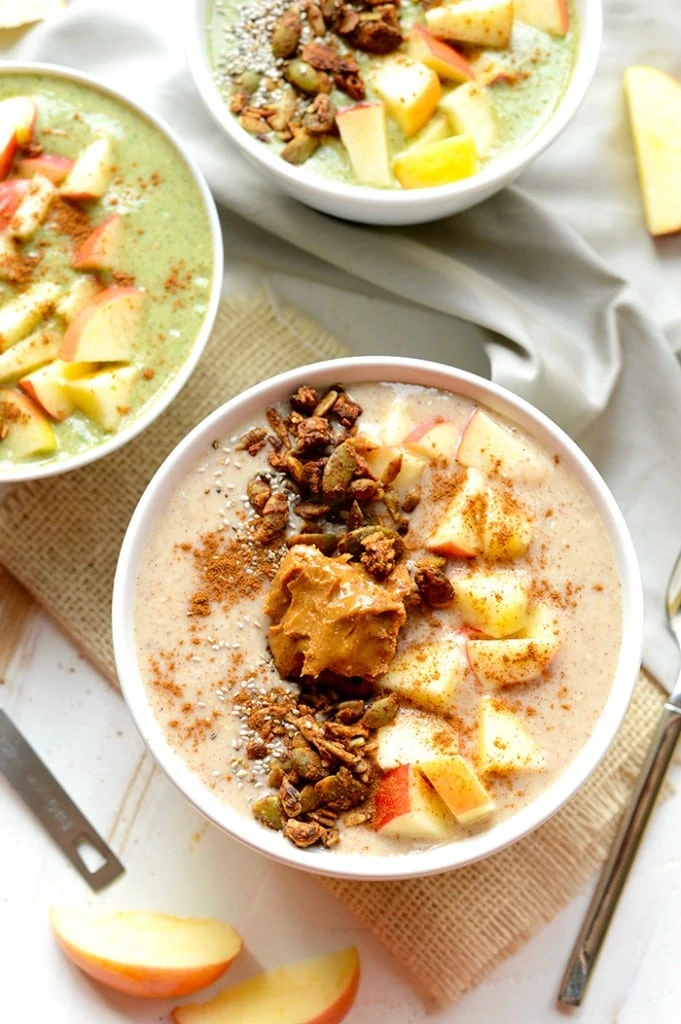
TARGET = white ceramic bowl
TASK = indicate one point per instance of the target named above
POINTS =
(223, 422)
(52, 466)
(395, 206)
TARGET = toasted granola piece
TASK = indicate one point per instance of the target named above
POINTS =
(434, 587)
(258, 492)
(274, 518)
(378, 31)
(252, 441)
(380, 555)
(320, 116)
(347, 410)
(321, 56)
(303, 833)
(314, 475)
(313, 435)
(304, 400)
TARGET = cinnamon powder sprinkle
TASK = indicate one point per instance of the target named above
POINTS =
(70, 219)
(230, 570)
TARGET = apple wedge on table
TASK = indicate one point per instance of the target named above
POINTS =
(364, 134)
(106, 329)
(476, 22)
(154, 956)
(22, 313)
(24, 431)
(410, 90)
(448, 64)
(654, 100)
(317, 991)
(18, 115)
(91, 173)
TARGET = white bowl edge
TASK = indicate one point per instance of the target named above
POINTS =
(364, 866)
(51, 467)
(394, 206)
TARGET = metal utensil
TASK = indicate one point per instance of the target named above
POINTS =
(56, 812)
(610, 885)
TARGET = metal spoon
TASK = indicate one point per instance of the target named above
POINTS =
(610, 885)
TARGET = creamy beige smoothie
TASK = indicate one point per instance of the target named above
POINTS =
(480, 619)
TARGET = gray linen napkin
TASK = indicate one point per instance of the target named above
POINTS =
(559, 325)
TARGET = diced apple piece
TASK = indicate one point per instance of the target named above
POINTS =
(36, 350)
(434, 440)
(24, 431)
(410, 90)
(541, 623)
(400, 469)
(429, 674)
(414, 737)
(79, 295)
(507, 531)
(100, 249)
(49, 390)
(458, 786)
(318, 991)
(447, 63)
(654, 101)
(497, 451)
(469, 112)
(21, 314)
(440, 163)
(552, 16)
(89, 178)
(505, 745)
(477, 22)
(510, 661)
(104, 395)
(438, 128)
(459, 531)
(496, 603)
(155, 956)
(17, 122)
(396, 424)
(33, 208)
(11, 194)
(490, 70)
(107, 329)
(407, 807)
(50, 165)
(364, 134)
(10, 258)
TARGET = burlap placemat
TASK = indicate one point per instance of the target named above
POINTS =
(60, 537)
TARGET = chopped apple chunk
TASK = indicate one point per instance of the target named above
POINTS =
(496, 603)
(103, 396)
(33, 208)
(11, 194)
(21, 314)
(505, 745)
(106, 330)
(439, 163)
(410, 90)
(408, 807)
(552, 16)
(49, 389)
(100, 249)
(37, 349)
(18, 116)
(79, 294)
(476, 22)
(364, 134)
(400, 469)
(448, 64)
(438, 128)
(89, 178)
(51, 166)
(459, 787)
(470, 112)
(10, 258)
(497, 451)
(507, 530)
(413, 738)
(24, 431)
(459, 531)
(510, 661)
(429, 674)
(436, 440)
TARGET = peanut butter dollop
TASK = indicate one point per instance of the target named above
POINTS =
(328, 614)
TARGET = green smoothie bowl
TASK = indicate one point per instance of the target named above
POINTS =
(110, 269)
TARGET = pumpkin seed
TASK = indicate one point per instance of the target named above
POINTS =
(338, 471)
(306, 78)
(267, 810)
(286, 34)
(300, 148)
(326, 542)
(307, 763)
(381, 712)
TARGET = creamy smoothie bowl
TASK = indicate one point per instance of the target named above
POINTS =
(110, 268)
(377, 618)
(380, 101)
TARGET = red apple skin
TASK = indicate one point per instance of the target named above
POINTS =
(392, 796)
(11, 194)
(444, 51)
(69, 343)
(27, 387)
(7, 156)
(144, 982)
(417, 433)
(89, 255)
(54, 168)
(337, 1012)
(24, 133)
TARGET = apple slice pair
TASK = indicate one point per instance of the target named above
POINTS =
(518, 659)
(419, 802)
(106, 329)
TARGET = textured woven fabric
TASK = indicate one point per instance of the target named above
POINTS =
(60, 537)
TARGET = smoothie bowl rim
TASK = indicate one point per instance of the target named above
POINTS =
(370, 204)
(53, 465)
(412, 863)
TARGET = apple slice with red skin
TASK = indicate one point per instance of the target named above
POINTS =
(47, 388)
(90, 175)
(79, 295)
(436, 439)
(153, 956)
(50, 165)
(477, 22)
(11, 194)
(364, 134)
(407, 807)
(100, 249)
(497, 451)
(21, 314)
(458, 786)
(459, 530)
(24, 431)
(28, 354)
(106, 330)
(317, 991)
(33, 208)
(552, 16)
(18, 115)
(446, 62)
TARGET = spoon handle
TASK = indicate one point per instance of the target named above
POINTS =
(621, 857)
